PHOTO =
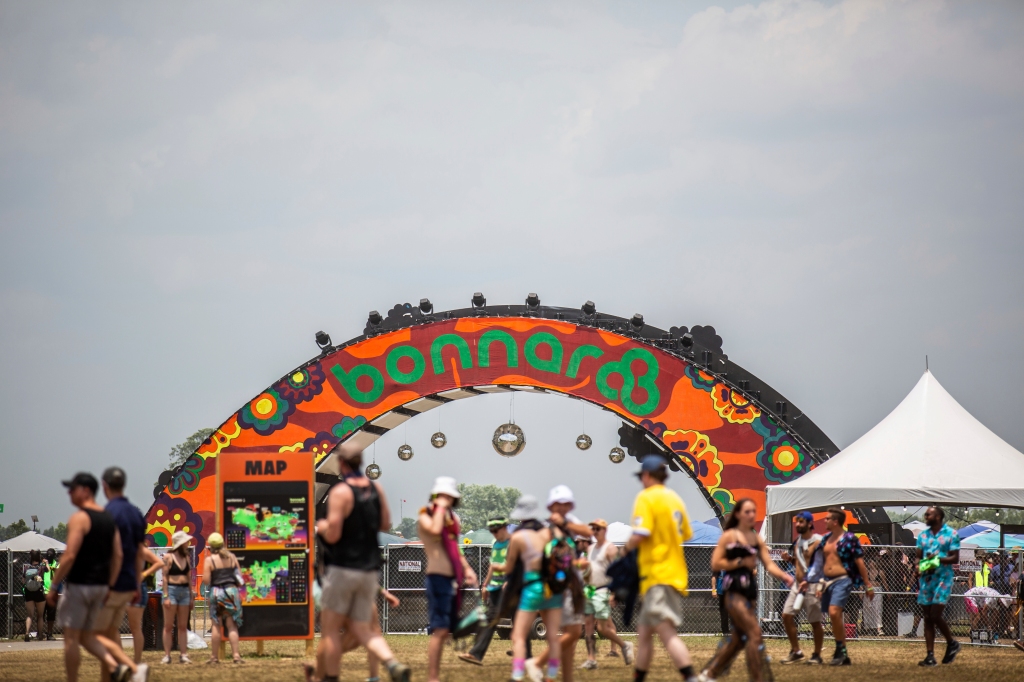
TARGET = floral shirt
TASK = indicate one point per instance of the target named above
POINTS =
(943, 543)
(849, 550)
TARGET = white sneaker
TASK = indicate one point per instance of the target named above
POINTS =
(166, 660)
(141, 673)
(589, 664)
(183, 658)
(704, 677)
(627, 653)
(533, 671)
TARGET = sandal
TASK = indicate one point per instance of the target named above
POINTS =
(212, 661)
(238, 660)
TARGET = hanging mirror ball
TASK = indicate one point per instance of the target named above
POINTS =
(583, 441)
(373, 472)
(617, 455)
(438, 440)
(508, 440)
(405, 452)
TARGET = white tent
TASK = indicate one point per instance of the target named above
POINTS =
(915, 527)
(32, 540)
(928, 450)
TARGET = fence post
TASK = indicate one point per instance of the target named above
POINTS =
(1020, 574)
(10, 597)
(387, 585)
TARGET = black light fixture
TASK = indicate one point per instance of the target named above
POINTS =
(589, 308)
(478, 300)
(637, 321)
(533, 301)
(426, 307)
(374, 319)
(323, 340)
(687, 340)
(780, 408)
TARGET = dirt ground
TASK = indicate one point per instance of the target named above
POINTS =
(872, 661)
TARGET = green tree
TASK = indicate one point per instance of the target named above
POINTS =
(407, 529)
(182, 451)
(58, 532)
(14, 530)
(482, 502)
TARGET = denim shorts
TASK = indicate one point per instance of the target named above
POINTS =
(178, 595)
(441, 603)
(837, 593)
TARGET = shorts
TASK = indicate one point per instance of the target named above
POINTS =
(600, 605)
(811, 606)
(533, 596)
(837, 594)
(569, 615)
(178, 595)
(441, 611)
(935, 589)
(661, 603)
(113, 610)
(349, 592)
(37, 596)
(143, 597)
(80, 606)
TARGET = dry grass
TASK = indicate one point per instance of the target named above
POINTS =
(872, 661)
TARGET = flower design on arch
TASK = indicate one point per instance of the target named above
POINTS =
(697, 452)
(302, 384)
(783, 460)
(656, 429)
(724, 499)
(733, 406)
(170, 514)
(265, 413)
(346, 426)
(188, 476)
(699, 378)
(320, 445)
(221, 438)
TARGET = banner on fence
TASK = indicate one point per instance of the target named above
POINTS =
(410, 566)
(968, 562)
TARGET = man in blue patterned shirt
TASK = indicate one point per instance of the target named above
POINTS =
(844, 570)
(938, 548)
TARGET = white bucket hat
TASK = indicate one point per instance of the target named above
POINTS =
(445, 485)
(180, 538)
(527, 508)
(560, 494)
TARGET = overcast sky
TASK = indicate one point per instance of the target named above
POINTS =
(189, 192)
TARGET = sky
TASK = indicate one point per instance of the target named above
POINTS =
(189, 192)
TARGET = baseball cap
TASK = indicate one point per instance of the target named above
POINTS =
(84, 479)
(806, 516)
(651, 464)
(115, 477)
(561, 494)
(598, 523)
(215, 541)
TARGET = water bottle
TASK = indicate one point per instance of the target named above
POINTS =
(798, 602)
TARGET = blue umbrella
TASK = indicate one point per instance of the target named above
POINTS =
(975, 528)
(990, 540)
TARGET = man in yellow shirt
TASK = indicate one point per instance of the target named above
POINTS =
(660, 527)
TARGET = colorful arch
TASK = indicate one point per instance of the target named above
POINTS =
(711, 417)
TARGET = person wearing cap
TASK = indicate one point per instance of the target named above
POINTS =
(221, 570)
(527, 547)
(131, 527)
(90, 565)
(598, 610)
(561, 502)
(494, 581)
(357, 510)
(177, 589)
(805, 584)
(660, 527)
(447, 568)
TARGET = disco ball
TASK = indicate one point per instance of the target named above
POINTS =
(617, 455)
(508, 440)
(438, 440)
(583, 441)
(405, 452)
(373, 472)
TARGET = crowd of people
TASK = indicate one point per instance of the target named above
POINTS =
(545, 563)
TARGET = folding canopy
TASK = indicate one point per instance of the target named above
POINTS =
(32, 540)
(929, 450)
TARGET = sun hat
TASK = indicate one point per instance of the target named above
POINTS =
(445, 485)
(527, 509)
(215, 541)
(180, 538)
(650, 464)
(560, 494)
(83, 479)
(806, 516)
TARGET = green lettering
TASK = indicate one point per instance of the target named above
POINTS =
(511, 351)
(553, 365)
(465, 359)
(417, 364)
(348, 381)
(577, 356)
(647, 381)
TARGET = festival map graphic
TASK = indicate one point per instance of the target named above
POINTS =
(273, 578)
(266, 516)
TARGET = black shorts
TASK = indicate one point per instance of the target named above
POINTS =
(50, 613)
(36, 596)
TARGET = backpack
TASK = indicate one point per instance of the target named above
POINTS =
(33, 579)
(556, 567)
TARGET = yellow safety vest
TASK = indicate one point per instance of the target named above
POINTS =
(981, 577)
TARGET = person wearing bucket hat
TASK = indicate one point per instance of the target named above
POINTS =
(805, 585)
(357, 510)
(177, 589)
(660, 527)
(527, 547)
(447, 568)
(90, 564)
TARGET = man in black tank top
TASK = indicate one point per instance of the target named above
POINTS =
(89, 566)
(356, 510)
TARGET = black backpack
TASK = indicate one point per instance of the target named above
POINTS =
(557, 565)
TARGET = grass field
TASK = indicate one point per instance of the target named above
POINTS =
(872, 661)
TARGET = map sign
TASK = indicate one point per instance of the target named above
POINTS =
(266, 516)
(273, 578)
